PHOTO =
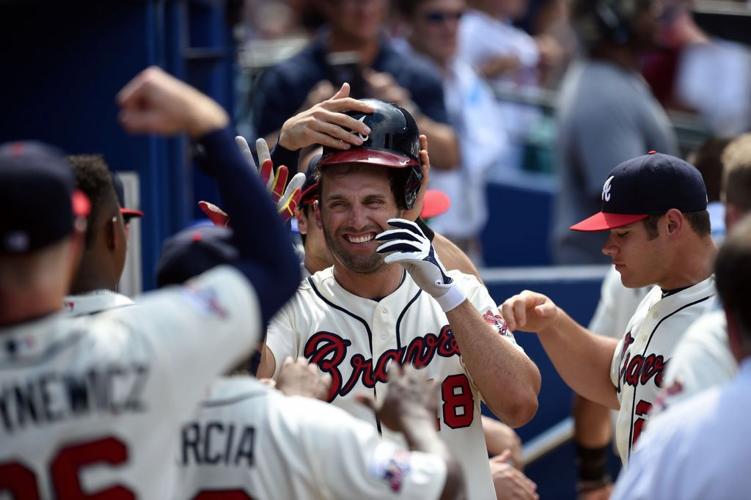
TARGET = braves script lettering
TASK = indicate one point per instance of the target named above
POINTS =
(640, 369)
(328, 350)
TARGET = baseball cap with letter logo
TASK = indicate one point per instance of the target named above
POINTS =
(647, 185)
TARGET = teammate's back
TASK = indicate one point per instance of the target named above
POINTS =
(89, 404)
(252, 441)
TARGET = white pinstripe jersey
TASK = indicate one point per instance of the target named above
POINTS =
(354, 339)
(93, 405)
(640, 358)
(250, 441)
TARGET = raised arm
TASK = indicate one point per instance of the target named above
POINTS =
(155, 102)
(507, 379)
(410, 407)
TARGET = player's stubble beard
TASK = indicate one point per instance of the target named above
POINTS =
(363, 264)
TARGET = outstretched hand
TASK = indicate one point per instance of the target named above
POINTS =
(327, 124)
(528, 311)
(300, 378)
(509, 482)
(409, 396)
(155, 102)
(286, 195)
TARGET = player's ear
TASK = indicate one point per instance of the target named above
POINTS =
(317, 209)
(674, 221)
(302, 222)
(113, 237)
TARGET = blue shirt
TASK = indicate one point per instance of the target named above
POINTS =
(282, 89)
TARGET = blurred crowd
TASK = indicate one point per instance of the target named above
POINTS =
(508, 87)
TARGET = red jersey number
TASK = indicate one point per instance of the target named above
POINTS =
(21, 482)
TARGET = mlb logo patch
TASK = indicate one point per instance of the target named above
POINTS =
(391, 467)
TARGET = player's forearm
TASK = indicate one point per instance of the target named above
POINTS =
(592, 426)
(266, 253)
(283, 156)
(507, 379)
(581, 358)
(443, 145)
(421, 435)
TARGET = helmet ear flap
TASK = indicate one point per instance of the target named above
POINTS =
(412, 186)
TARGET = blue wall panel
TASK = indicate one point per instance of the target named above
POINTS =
(62, 70)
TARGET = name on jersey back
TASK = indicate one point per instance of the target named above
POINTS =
(49, 397)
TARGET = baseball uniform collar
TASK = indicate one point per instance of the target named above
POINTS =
(94, 302)
(333, 292)
(34, 338)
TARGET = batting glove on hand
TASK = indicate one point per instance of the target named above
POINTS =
(285, 195)
(408, 245)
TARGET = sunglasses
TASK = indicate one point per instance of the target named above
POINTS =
(437, 16)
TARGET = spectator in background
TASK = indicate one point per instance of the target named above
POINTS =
(507, 56)
(553, 21)
(433, 27)
(606, 115)
(353, 48)
(696, 72)
(701, 448)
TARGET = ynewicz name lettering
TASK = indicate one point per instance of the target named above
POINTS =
(328, 350)
(55, 396)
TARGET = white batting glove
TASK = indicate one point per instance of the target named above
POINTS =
(408, 245)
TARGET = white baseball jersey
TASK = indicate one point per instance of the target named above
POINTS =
(354, 339)
(92, 405)
(698, 450)
(94, 302)
(616, 306)
(701, 360)
(251, 441)
(642, 355)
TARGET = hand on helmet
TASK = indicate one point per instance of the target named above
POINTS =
(327, 124)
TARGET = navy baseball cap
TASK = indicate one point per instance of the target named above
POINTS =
(127, 213)
(310, 187)
(38, 187)
(193, 251)
(647, 185)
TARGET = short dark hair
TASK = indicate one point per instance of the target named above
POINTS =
(93, 177)
(708, 160)
(699, 222)
(736, 175)
(733, 274)
(397, 179)
(407, 8)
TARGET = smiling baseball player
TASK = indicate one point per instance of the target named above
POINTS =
(654, 207)
(365, 313)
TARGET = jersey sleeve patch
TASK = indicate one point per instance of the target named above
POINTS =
(205, 300)
(391, 466)
(497, 322)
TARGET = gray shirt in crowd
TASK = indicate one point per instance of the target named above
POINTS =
(606, 115)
